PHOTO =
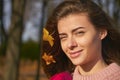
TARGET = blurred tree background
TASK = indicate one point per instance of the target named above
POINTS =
(21, 23)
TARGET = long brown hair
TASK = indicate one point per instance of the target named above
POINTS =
(110, 44)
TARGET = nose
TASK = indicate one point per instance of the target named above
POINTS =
(72, 43)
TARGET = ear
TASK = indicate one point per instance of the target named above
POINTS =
(103, 33)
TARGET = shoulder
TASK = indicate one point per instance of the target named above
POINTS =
(62, 76)
(113, 68)
(113, 72)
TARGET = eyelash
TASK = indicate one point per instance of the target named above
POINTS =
(77, 33)
(62, 38)
(80, 33)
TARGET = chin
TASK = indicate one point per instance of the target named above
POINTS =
(76, 62)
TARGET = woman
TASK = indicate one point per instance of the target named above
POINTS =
(85, 44)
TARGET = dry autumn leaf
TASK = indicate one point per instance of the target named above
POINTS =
(47, 37)
(48, 59)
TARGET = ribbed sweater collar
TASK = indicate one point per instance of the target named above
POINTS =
(108, 71)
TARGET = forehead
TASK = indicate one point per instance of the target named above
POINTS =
(74, 20)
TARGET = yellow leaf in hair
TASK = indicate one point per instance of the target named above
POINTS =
(47, 37)
(48, 59)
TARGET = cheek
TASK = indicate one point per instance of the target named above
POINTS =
(85, 41)
(82, 41)
(91, 43)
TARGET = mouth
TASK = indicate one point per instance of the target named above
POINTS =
(75, 54)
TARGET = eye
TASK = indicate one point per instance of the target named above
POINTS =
(80, 33)
(62, 37)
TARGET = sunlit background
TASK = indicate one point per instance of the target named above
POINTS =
(21, 23)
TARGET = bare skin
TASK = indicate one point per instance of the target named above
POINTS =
(81, 42)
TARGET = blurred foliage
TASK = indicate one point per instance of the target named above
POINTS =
(30, 50)
(2, 50)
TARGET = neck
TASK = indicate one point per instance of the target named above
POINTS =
(92, 67)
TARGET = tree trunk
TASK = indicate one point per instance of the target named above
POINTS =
(14, 40)
(3, 33)
(1, 20)
(116, 12)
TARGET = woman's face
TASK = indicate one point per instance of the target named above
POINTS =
(80, 41)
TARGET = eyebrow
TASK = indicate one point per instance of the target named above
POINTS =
(77, 29)
(72, 30)
(62, 34)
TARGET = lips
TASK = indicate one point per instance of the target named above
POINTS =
(75, 54)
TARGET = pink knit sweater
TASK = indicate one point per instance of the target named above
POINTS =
(112, 72)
